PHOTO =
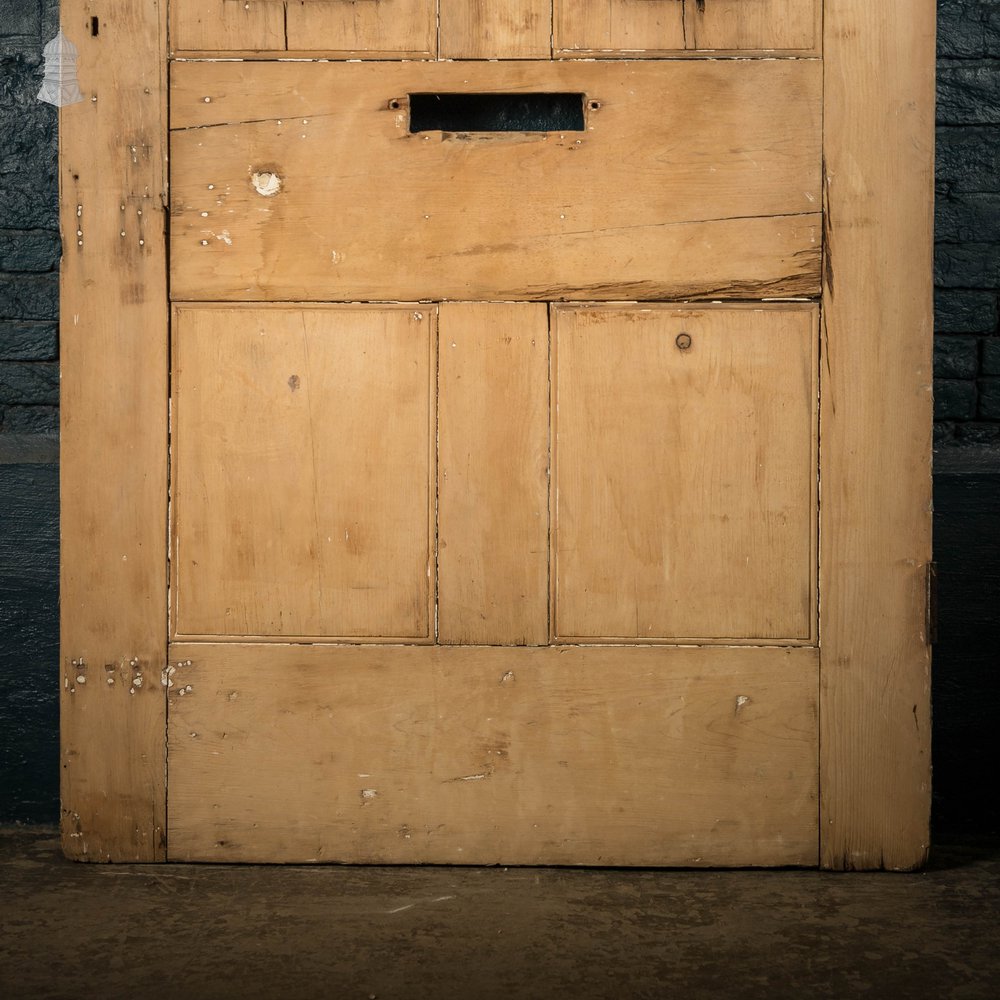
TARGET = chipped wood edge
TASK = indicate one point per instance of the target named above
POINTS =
(114, 446)
(875, 519)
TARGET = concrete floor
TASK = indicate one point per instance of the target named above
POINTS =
(202, 931)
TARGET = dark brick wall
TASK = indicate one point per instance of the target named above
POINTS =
(967, 236)
(29, 225)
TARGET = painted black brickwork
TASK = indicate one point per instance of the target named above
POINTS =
(29, 226)
(967, 252)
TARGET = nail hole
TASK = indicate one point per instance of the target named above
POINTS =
(593, 105)
(394, 105)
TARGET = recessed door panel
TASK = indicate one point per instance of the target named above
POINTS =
(593, 756)
(650, 28)
(789, 25)
(684, 473)
(302, 472)
(516, 29)
(370, 28)
(493, 440)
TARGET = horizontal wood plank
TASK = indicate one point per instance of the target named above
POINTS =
(304, 181)
(576, 755)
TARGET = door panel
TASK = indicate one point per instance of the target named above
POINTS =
(689, 179)
(643, 28)
(586, 27)
(684, 473)
(754, 24)
(577, 755)
(366, 27)
(373, 28)
(303, 471)
(227, 25)
(518, 29)
(493, 433)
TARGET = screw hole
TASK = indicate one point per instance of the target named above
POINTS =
(394, 105)
(593, 105)
(683, 341)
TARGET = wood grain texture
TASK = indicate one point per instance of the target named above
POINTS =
(692, 180)
(376, 28)
(493, 439)
(515, 29)
(600, 756)
(588, 27)
(225, 25)
(114, 436)
(303, 471)
(876, 418)
(763, 25)
(684, 485)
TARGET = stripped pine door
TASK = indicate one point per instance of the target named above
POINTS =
(504, 357)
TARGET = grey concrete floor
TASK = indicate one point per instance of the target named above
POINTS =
(205, 931)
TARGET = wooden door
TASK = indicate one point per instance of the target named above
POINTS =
(499, 468)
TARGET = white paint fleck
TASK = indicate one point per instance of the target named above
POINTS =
(368, 795)
(741, 700)
(335, 258)
(80, 679)
(266, 184)
(507, 677)
(225, 237)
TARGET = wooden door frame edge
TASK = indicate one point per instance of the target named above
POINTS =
(876, 433)
(113, 470)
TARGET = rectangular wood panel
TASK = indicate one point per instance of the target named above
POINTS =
(303, 471)
(516, 29)
(765, 25)
(113, 346)
(227, 25)
(369, 28)
(684, 483)
(877, 427)
(303, 181)
(599, 756)
(628, 27)
(493, 433)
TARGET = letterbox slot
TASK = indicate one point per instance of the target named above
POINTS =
(496, 112)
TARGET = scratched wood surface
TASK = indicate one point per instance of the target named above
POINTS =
(493, 434)
(599, 755)
(113, 456)
(690, 179)
(877, 423)
(684, 485)
(303, 471)
(516, 29)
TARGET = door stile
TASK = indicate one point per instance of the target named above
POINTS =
(876, 426)
(113, 334)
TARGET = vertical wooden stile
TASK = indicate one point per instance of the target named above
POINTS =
(114, 435)
(875, 519)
